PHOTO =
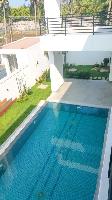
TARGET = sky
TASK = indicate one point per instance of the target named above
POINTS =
(16, 3)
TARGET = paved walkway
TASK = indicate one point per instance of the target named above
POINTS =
(84, 92)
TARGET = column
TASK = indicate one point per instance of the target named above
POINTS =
(56, 60)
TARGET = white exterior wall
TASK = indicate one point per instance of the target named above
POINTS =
(27, 67)
(11, 84)
(56, 61)
(77, 42)
(26, 74)
(87, 58)
(52, 8)
(9, 87)
(36, 54)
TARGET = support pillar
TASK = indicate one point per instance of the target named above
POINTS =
(56, 60)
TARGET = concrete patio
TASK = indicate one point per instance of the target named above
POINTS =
(84, 92)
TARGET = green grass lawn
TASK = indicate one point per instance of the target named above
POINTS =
(20, 110)
(85, 72)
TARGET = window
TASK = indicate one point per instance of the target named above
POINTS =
(12, 62)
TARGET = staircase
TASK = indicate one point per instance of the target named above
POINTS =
(56, 26)
(109, 17)
(5, 105)
(101, 23)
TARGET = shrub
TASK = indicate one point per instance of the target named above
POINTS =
(102, 64)
(106, 61)
(86, 73)
(66, 66)
(45, 77)
(79, 75)
(24, 93)
(71, 66)
(96, 65)
(83, 75)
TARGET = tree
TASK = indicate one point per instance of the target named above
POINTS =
(37, 8)
(5, 11)
(84, 6)
(20, 11)
(65, 10)
(4, 4)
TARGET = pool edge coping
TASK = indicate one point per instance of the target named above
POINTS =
(102, 161)
(78, 103)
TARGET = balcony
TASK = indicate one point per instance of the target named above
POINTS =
(100, 23)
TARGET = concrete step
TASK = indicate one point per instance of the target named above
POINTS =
(2, 102)
(6, 105)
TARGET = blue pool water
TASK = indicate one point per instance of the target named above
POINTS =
(57, 156)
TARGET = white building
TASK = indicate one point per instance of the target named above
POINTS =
(19, 67)
(85, 44)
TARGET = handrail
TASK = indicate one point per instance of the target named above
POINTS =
(97, 23)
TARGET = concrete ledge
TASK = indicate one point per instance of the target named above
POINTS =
(103, 181)
(77, 42)
(77, 103)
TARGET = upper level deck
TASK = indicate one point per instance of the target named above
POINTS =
(99, 23)
(55, 24)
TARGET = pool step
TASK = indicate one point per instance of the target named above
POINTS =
(5, 105)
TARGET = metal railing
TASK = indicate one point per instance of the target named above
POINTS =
(100, 23)
(19, 27)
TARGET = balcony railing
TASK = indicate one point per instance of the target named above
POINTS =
(100, 23)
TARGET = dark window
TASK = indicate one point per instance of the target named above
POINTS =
(12, 62)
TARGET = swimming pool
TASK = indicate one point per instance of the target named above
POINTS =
(57, 157)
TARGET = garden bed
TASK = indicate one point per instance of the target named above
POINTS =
(21, 109)
(94, 72)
